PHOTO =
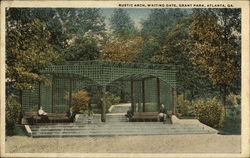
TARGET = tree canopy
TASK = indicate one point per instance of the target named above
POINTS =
(204, 43)
(121, 23)
(27, 51)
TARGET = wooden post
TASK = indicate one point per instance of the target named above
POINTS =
(103, 99)
(52, 93)
(143, 96)
(158, 93)
(132, 96)
(39, 95)
(21, 103)
(70, 92)
(21, 99)
(174, 99)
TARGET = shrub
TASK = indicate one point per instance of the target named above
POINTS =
(232, 122)
(13, 113)
(209, 111)
(80, 100)
(184, 107)
(233, 100)
(111, 99)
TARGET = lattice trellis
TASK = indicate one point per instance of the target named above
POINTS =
(104, 73)
(68, 77)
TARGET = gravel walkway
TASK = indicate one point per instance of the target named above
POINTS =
(203, 143)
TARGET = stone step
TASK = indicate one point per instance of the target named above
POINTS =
(114, 126)
(110, 126)
(118, 134)
(102, 130)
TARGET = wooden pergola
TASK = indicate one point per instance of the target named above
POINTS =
(69, 76)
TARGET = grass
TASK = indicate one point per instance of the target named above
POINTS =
(18, 130)
(231, 125)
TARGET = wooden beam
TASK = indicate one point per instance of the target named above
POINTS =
(143, 96)
(158, 93)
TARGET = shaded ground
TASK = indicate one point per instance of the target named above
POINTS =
(203, 143)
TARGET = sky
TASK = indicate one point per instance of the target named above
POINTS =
(136, 14)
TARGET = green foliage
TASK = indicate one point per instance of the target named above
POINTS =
(155, 29)
(13, 113)
(122, 49)
(78, 21)
(27, 51)
(111, 99)
(121, 23)
(81, 49)
(213, 51)
(209, 111)
(64, 24)
(184, 107)
(80, 100)
(233, 100)
(232, 122)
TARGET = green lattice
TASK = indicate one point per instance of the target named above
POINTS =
(69, 77)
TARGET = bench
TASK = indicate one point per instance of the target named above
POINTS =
(145, 116)
(33, 117)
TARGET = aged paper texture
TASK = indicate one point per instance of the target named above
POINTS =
(102, 33)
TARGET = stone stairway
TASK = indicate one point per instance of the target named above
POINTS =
(97, 118)
(115, 126)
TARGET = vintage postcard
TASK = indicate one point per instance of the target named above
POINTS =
(125, 78)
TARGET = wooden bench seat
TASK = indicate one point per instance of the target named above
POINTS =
(33, 117)
(145, 116)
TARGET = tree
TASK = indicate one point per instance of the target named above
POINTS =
(120, 49)
(85, 28)
(121, 23)
(27, 51)
(64, 24)
(214, 51)
(175, 50)
(155, 29)
(82, 48)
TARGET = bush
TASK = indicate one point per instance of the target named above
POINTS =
(111, 99)
(209, 111)
(184, 107)
(80, 100)
(232, 122)
(233, 100)
(13, 113)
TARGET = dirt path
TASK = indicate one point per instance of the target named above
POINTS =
(206, 143)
